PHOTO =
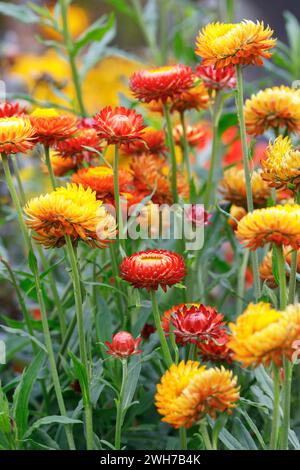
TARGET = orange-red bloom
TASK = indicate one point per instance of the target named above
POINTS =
(196, 135)
(123, 345)
(214, 352)
(84, 137)
(161, 83)
(119, 125)
(217, 79)
(16, 135)
(50, 127)
(153, 268)
(62, 165)
(8, 109)
(154, 143)
(195, 323)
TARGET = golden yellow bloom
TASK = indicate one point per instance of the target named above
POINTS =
(223, 44)
(188, 391)
(233, 188)
(265, 267)
(273, 108)
(72, 211)
(238, 213)
(277, 224)
(262, 334)
(281, 168)
(16, 135)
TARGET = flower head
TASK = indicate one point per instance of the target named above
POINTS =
(154, 143)
(244, 43)
(281, 167)
(262, 334)
(50, 127)
(161, 83)
(75, 145)
(217, 79)
(101, 180)
(72, 211)
(16, 135)
(273, 108)
(188, 391)
(236, 213)
(277, 224)
(119, 125)
(195, 323)
(265, 267)
(123, 345)
(196, 135)
(62, 165)
(197, 215)
(211, 351)
(233, 188)
(153, 268)
(8, 109)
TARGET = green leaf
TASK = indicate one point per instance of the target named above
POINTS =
(81, 375)
(32, 261)
(22, 394)
(95, 32)
(122, 7)
(134, 371)
(23, 334)
(229, 440)
(50, 420)
(275, 266)
(18, 12)
(4, 414)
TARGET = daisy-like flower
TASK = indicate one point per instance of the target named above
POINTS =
(101, 180)
(119, 125)
(154, 143)
(153, 268)
(265, 267)
(16, 135)
(217, 79)
(196, 135)
(277, 224)
(195, 323)
(161, 83)
(72, 211)
(281, 167)
(233, 188)
(237, 213)
(262, 334)
(75, 145)
(244, 43)
(123, 345)
(8, 109)
(273, 108)
(50, 127)
(188, 391)
(62, 165)
(151, 172)
(211, 351)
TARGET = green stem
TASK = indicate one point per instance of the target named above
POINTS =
(18, 178)
(205, 435)
(82, 341)
(172, 152)
(276, 408)
(120, 414)
(241, 282)
(241, 117)
(185, 153)
(217, 108)
(70, 50)
(47, 335)
(193, 352)
(281, 275)
(49, 166)
(183, 438)
(164, 345)
(117, 196)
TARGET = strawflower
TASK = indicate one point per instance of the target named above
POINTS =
(16, 135)
(119, 125)
(123, 345)
(50, 126)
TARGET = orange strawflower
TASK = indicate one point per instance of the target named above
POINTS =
(262, 334)
(265, 267)
(188, 391)
(119, 125)
(197, 135)
(50, 127)
(161, 83)
(277, 224)
(153, 268)
(273, 108)
(16, 135)
(62, 165)
(237, 213)
(154, 143)
(244, 43)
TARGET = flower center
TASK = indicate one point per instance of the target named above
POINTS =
(44, 113)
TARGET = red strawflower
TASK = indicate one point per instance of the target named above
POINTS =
(119, 125)
(154, 144)
(195, 323)
(217, 79)
(8, 109)
(197, 215)
(123, 345)
(75, 145)
(147, 331)
(51, 127)
(153, 268)
(214, 352)
(196, 135)
(161, 83)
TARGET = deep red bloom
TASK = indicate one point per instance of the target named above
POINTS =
(217, 79)
(8, 109)
(154, 144)
(195, 323)
(214, 352)
(123, 345)
(119, 125)
(161, 83)
(153, 268)
(147, 331)
(197, 215)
